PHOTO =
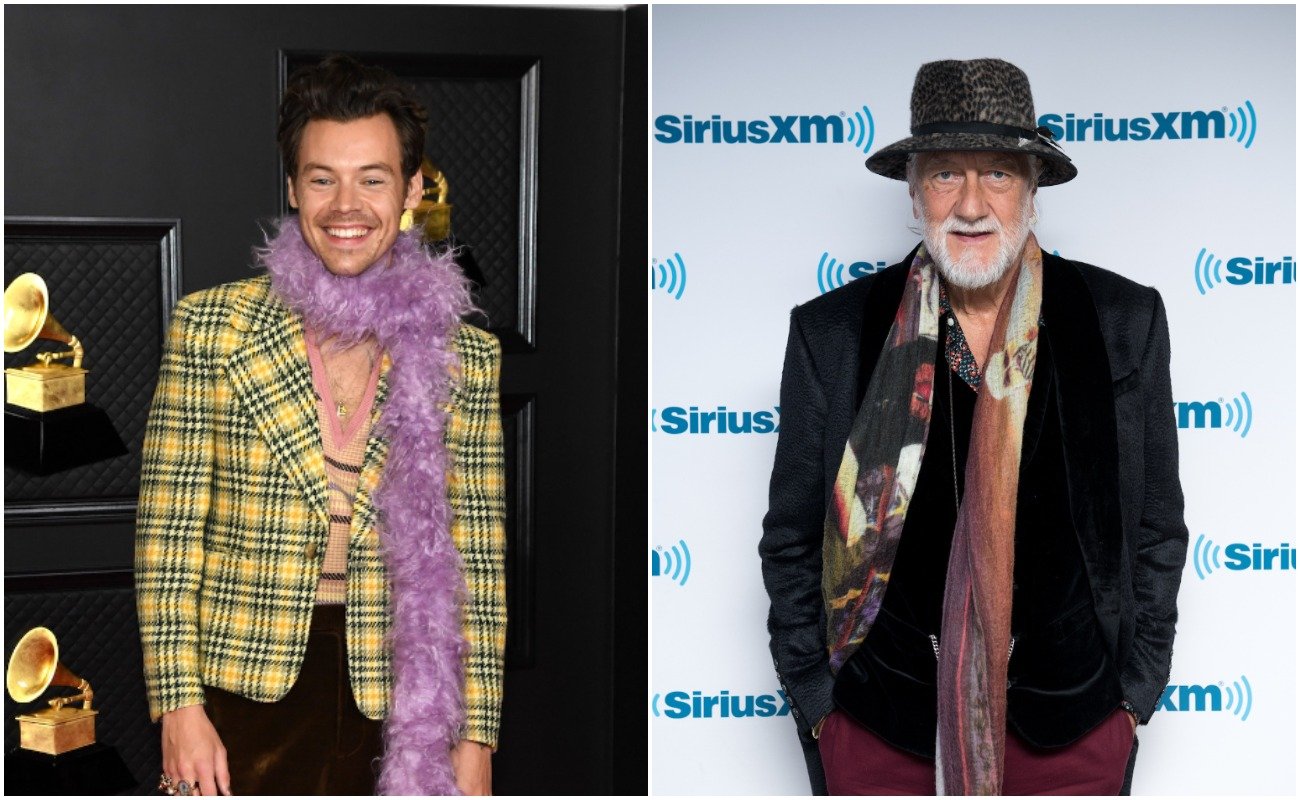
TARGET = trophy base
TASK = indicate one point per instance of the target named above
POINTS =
(91, 770)
(56, 731)
(43, 443)
(45, 387)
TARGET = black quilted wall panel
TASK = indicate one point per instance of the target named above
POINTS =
(474, 139)
(99, 640)
(109, 286)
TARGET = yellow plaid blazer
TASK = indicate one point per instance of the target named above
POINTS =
(233, 517)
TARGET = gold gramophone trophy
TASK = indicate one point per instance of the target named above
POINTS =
(433, 215)
(434, 212)
(57, 752)
(34, 666)
(49, 426)
(46, 385)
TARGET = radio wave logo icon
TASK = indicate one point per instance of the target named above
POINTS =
(1240, 414)
(1205, 556)
(673, 563)
(669, 275)
(862, 129)
(1236, 698)
(1243, 127)
(1207, 271)
(1235, 415)
(1239, 698)
(832, 274)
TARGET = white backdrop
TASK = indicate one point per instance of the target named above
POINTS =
(744, 231)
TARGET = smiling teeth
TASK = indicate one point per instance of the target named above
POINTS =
(347, 233)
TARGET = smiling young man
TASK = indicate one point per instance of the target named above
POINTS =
(320, 541)
(975, 535)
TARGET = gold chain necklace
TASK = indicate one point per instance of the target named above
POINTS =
(356, 389)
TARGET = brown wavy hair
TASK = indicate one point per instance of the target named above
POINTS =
(342, 89)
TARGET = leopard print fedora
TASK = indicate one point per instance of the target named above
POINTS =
(983, 104)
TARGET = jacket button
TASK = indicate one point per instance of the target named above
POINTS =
(311, 551)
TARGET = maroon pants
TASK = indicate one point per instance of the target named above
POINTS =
(859, 762)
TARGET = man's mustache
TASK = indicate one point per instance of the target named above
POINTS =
(953, 225)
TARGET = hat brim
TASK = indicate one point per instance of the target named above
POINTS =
(891, 161)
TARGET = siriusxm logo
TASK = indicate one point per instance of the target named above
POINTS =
(857, 129)
(669, 275)
(1235, 415)
(1239, 125)
(1236, 699)
(1240, 557)
(698, 705)
(1242, 271)
(832, 274)
(677, 420)
(674, 563)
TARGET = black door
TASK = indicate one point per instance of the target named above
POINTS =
(140, 143)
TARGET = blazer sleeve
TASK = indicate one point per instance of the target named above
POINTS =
(477, 494)
(791, 547)
(1160, 550)
(174, 489)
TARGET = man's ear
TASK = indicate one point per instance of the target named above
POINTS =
(293, 197)
(414, 191)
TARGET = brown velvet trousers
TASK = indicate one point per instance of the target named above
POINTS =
(313, 740)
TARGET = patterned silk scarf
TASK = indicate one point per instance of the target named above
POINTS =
(873, 488)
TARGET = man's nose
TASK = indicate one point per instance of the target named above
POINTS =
(971, 204)
(345, 197)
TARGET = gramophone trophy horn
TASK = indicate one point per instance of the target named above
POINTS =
(34, 666)
(46, 385)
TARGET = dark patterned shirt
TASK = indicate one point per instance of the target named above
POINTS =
(957, 349)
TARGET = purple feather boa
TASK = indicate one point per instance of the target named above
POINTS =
(412, 304)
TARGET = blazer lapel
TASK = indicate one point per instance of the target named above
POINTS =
(1086, 405)
(271, 376)
(364, 511)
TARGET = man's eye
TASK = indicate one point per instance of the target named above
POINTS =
(373, 181)
(944, 175)
(998, 175)
(321, 181)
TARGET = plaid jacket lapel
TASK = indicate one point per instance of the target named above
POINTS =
(372, 466)
(269, 372)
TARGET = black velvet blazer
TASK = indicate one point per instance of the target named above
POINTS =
(1110, 341)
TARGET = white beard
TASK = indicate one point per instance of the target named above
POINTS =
(970, 271)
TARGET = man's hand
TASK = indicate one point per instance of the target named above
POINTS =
(472, 763)
(192, 751)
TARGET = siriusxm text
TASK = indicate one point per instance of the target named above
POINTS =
(774, 129)
(679, 420)
(1191, 698)
(1159, 125)
(1242, 556)
(697, 705)
(1243, 271)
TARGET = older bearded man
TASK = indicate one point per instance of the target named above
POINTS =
(973, 584)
